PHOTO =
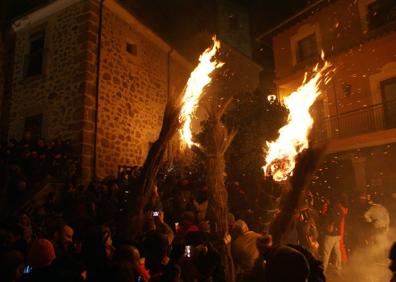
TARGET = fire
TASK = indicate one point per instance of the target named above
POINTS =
(199, 78)
(293, 137)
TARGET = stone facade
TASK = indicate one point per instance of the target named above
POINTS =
(133, 89)
(2, 69)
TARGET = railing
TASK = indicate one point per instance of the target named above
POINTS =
(364, 120)
(380, 13)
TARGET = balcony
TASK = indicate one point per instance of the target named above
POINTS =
(362, 121)
(381, 13)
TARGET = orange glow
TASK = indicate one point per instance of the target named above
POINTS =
(293, 137)
(199, 78)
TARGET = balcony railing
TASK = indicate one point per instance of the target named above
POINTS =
(380, 13)
(364, 120)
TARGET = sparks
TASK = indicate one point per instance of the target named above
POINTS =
(199, 78)
(293, 137)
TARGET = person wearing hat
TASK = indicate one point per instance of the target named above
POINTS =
(243, 248)
(41, 258)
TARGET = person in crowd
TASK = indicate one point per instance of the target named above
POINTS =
(97, 252)
(155, 250)
(155, 203)
(127, 265)
(173, 270)
(244, 250)
(200, 203)
(343, 206)
(26, 224)
(307, 231)
(42, 266)
(11, 266)
(163, 227)
(331, 241)
(378, 216)
(63, 239)
(201, 260)
(27, 140)
(16, 239)
(392, 266)
(279, 263)
(187, 224)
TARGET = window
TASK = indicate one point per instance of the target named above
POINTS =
(381, 12)
(233, 22)
(34, 125)
(131, 49)
(307, 48)
(34, 60)
(388, 88)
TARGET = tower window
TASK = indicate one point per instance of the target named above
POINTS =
(233, 22)
(34, 60)
(131, 48)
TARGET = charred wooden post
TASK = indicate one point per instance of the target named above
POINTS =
(132, 220)
(219, 140)
(306, 165)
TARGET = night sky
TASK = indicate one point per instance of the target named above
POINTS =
(170, 18)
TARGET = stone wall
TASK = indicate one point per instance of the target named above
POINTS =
(134, 89)
(2, 69)
(67, 84)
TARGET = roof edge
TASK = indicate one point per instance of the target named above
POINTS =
(290, 20)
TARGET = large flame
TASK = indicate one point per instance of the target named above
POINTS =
(199, 78)
(293, 137)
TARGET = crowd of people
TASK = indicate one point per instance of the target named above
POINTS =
(75, 234)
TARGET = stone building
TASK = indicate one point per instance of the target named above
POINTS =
(190, 25)
(2, 68)
(91, 72)
(356, 114)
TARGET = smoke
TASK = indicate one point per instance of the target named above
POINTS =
(369, 263)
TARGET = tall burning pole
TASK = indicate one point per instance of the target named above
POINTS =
(293, 137)
(176, 114)
(199, 78)
(220, 139)
(292, 142)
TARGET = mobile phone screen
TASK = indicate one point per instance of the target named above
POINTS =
(27, 269)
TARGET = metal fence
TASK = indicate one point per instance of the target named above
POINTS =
(364, 120)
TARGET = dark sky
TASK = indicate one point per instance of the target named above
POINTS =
(263, 13)
(178, 20)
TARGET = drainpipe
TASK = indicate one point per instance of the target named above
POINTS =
(336, 108)
(97, 90)
(169, 96)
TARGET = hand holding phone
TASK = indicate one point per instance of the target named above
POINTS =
(27, 269)
(187, 251)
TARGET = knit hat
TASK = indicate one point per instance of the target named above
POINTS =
(41, 253)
